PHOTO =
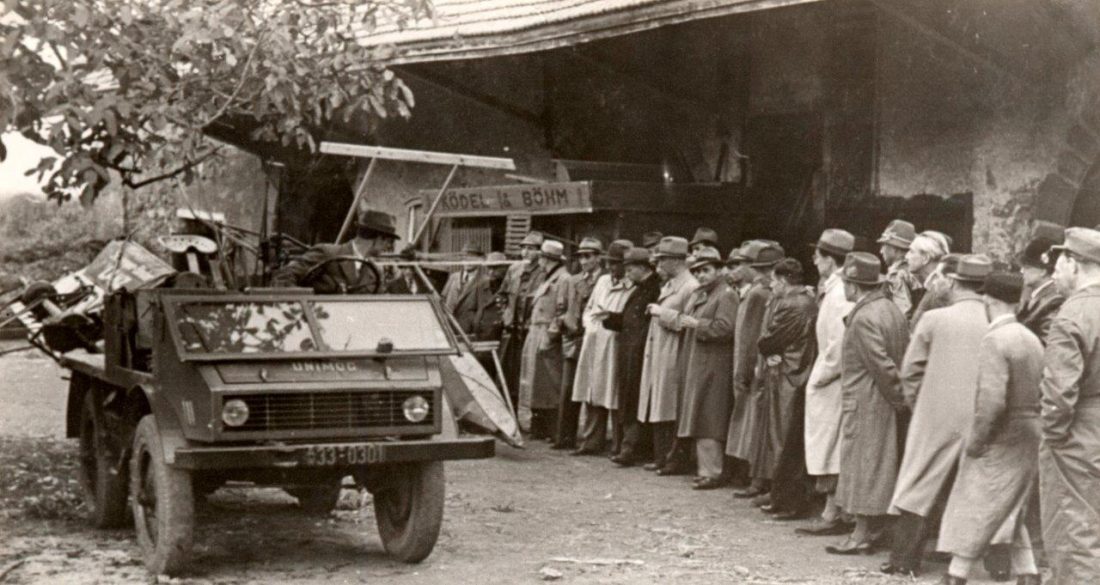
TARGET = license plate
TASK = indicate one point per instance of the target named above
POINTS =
(333, 455)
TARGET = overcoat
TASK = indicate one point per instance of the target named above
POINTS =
(903, 288)
(750, 323)
(596, 366)
(1000, 466)
(632, 325)
(823, 389)
(459, 284)
(540, 375)
(1039, 308)
(937, 295)
(336, 275)
(786, 355)
(875, 336)
(1069, 458)
(476, 310)
(573, 295)
(708, 359)
(939, 377)
(663, 371)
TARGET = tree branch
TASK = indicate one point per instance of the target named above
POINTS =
(240, 84)
(178, 171)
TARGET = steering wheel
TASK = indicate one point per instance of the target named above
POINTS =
(313, 274)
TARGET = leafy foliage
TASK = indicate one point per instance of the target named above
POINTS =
(130, 85)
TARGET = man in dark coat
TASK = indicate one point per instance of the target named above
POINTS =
(999, 467)
(475, 309)
(515, 291)
(1040, 300)
(632, 325)
(375, 234)
(1069, 469)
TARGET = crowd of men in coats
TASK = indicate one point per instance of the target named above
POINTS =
(896, 401)
(947, 391)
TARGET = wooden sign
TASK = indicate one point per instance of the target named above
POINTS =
(542, 199)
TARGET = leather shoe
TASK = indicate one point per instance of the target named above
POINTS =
(750, 492)
(820, 528)
(851, 547)
(624, 460)
(1029, 579)
(952, 580)
(892, 569)
(708, 483)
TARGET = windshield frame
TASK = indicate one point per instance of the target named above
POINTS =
(173, 313)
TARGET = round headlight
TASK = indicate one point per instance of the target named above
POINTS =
(234, 412)
(416, 408)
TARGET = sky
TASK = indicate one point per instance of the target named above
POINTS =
(23, 155)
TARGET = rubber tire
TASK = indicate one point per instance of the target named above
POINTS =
(411, 537)
(168, 551)
(320, 499)
(104, 491)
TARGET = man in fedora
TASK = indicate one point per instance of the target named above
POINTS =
(704, 238)
(752, 314)
(461, 280)
(824, 401)
(662, 372)
(939, 377)
(1069, 475)
(595, 385)
(572, 296)
(519, 282)
(374, 234)
(875, 336)
(540, 375)
(999, 467)
(895, 242)
(476, 308)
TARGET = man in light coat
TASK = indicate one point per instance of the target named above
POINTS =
(572, 297)
(823, 390)
(939, 378)
(540, 375)
(1069, 467)
(662, 371)
(999, 467)
(595, 381)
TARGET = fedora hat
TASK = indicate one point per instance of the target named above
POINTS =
(762, 253)
(496, 259)
(705, 257)
(705, 235)
(617, 249)
(590, 245)
(737, 255)
(973, 268)
(672, 247)
(899, 233)
(835, 241)
(637, 255)
(532, 239)
(472, 249)
(651, 239)
(862, 268)
(1003, 286)
(553, 249)
(371, 223)
(1082, 242)
(1049, 230)
(1035, 253)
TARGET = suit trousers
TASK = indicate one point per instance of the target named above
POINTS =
(617, 430)
(637, 443)
(569, 412)
(594, 435)
(664, 435)
(710, 455)
(791, 487)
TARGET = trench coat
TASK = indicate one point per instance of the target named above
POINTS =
(939, 378)
(708, 362)
(786, 355)
(875, 335)
(540, 374)
(336, 275)
(632, 325)
(750, 322)
(596, 366)
(1038, 309)
(823, 389)
(1069, 457)
(663, 369)
(1000, 466)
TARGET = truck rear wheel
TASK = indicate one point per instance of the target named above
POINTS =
(162, 503)
(104, 487)
(409, 509)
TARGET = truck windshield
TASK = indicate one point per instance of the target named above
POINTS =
(295, 326)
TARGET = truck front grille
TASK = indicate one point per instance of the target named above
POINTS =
(306, 411)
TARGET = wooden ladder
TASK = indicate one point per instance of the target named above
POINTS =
(515, 230)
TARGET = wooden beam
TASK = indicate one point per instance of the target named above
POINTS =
(422, 156)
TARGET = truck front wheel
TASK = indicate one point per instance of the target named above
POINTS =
(104, 486)
(409, 509)
(162, 503)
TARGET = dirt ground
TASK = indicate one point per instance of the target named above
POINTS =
(525, 516)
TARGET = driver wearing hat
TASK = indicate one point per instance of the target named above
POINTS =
(344, 268)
